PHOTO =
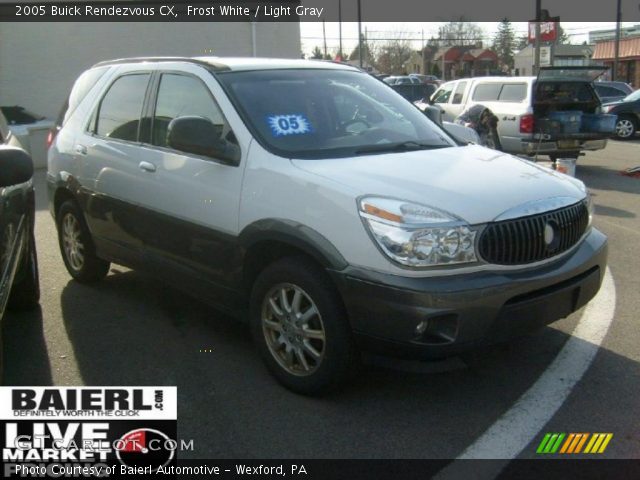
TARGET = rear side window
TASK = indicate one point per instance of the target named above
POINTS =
(513, 92)
(179, 96)
(487, 92)
(609, 91)
(457, 96)
(121, 107)
(83, 85)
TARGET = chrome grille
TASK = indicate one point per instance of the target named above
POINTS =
(522, 240)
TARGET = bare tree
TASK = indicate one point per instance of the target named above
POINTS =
(392, 55)
(460, 33)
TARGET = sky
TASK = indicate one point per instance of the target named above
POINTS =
(312, 36)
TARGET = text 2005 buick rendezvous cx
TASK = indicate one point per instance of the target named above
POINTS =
(319, 202)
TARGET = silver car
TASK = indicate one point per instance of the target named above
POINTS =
(522, 105)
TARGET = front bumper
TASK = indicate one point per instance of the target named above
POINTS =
(459, 312)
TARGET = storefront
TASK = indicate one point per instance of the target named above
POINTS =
(629, 59)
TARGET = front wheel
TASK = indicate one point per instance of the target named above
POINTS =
(625, 128)
(76, 245)
(299, 325)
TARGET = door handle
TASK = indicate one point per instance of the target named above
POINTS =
(81, 149)
(147, 166)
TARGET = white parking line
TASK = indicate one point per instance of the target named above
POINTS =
(516, 428)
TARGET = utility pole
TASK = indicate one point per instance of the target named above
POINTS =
(537, 39)
(616, 59)
(360, 34)
(422, 69)
(340, 27)
(324, 36)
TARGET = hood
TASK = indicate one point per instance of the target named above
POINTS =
(613, 104)
(475, 183)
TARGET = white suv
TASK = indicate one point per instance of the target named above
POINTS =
(314, 201)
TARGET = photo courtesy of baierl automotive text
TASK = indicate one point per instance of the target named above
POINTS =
(320, 239)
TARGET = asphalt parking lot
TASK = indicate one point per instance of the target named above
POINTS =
(132, 330)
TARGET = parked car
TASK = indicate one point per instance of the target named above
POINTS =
(19, 286)
(430, 79)
(414, 91)
(319, 205)
(18, 115)
(29, 131)
(402, 80)
(612, 91)
(628, 112)
(523, 105)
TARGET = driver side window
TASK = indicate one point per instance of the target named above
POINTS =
(182, 95)
(443, 95)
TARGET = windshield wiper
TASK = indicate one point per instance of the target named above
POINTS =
(407, 146)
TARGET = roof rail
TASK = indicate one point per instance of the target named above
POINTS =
(216, 66)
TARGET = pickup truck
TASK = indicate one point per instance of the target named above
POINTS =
(523, 105)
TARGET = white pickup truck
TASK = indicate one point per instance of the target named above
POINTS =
(523, 104)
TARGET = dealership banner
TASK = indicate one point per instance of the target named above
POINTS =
(307, 11)
(87, 431)
(104, 432)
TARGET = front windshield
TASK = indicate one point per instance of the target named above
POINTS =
(322, 113)
(632, 97)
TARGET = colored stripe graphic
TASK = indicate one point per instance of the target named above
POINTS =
(567, 443)
(543, 443)
(550, 443)
(581, 443)
(598, 443)
(574, 443)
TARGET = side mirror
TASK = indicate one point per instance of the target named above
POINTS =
(16, 166)
(199, 135)
(434, 114)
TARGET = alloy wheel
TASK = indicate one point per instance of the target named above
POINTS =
(72, 243)
(624, 128)
(293, 329)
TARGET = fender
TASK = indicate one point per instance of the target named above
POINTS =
(295, 234)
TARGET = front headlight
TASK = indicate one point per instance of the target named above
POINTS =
(416, 235)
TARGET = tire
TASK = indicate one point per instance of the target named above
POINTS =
(25, 293)
(76, 245)
(330, 361)
(626, 127)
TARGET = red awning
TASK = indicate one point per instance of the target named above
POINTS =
(629, 48)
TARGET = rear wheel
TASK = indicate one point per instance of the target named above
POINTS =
(625, 127)
(76, 245)
(300, 327)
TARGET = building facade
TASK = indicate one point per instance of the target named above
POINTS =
(629, 59)
(603, 35)
(40, 61)
(552, 55)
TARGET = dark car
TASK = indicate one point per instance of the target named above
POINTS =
(17, 115)
(19, 285)
(432, 79)
(628, 112)
(612, 91)
(402, 80)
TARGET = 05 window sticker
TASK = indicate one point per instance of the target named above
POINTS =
(289, 124)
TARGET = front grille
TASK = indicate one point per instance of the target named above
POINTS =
(522, 240)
